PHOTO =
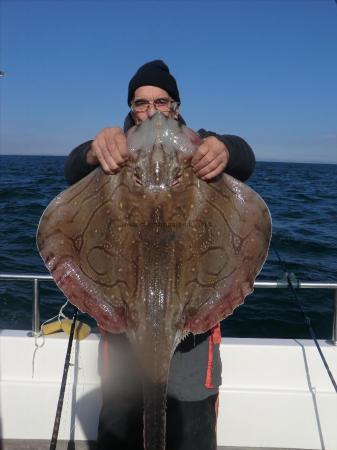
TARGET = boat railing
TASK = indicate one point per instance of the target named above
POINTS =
(36, 279)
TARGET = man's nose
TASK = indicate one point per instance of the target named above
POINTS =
(151, 110)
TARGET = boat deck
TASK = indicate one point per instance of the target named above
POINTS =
(275, 394)
(13, 444)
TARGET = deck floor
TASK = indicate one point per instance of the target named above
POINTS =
(15, 444)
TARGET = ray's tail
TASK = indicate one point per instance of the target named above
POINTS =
(154, 415)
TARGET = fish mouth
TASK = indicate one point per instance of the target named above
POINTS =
(160, 186)
(137, 180)
(177, 181)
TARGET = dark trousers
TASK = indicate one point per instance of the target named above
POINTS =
(189, 425)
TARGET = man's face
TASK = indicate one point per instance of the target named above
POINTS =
(151, 94)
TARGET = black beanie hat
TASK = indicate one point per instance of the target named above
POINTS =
(154, 73)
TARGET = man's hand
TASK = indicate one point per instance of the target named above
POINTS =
(210, 159)
(109, 149)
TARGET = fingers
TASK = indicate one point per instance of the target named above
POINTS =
(212, 170)
(106, 161)
(216, 166)
(122, 146)
(110, 148)
(200, 154)
(210, 159)
(203, 161)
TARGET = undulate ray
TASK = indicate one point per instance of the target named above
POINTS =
(156, 252)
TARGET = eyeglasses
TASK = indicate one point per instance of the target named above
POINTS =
(164, 104)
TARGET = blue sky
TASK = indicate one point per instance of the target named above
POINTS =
(264, 70)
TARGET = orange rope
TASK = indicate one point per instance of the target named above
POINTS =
(215, 338)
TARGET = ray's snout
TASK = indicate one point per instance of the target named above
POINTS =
(160, 147)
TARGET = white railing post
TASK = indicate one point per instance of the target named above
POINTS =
(334, 326)
(36, 307)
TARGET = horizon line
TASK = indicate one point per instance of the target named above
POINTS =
(257, 160)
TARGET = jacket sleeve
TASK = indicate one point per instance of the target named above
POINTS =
(76, 166)
(241, 162)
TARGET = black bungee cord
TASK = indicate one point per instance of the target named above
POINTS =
(57, 421)
(307, 321)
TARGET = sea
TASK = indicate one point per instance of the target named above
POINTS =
(302, 202)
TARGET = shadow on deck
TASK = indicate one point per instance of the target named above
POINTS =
(19, 444)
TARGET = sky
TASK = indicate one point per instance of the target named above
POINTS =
(265, 70)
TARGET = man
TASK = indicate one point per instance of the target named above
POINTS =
(195, 373)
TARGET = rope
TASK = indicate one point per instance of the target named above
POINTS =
(306, 318)
(58, 316)
(37, 347)
(41, 335)
(57, 421)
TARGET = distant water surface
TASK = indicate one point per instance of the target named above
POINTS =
(302, 202)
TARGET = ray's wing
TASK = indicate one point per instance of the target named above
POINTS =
(223, 250)
(83, 241)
